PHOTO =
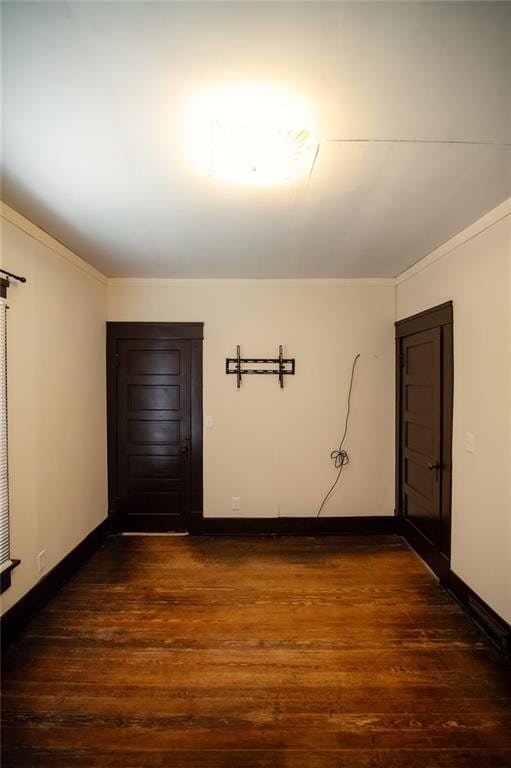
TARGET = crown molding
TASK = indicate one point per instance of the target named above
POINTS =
(485, 222)
(165, 282)
(32, 230)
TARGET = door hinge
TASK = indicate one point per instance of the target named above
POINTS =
(116, 359)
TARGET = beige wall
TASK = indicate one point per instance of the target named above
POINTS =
(270, 446)
(475, 273)
(56, 363)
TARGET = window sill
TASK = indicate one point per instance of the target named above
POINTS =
(5, 575)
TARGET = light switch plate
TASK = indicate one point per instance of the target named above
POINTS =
(209, 422)
(470, 442)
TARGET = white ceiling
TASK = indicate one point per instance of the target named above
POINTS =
(94, 93)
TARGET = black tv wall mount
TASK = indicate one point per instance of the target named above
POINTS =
(281, 366)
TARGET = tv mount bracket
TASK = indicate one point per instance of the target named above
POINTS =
(282, 366)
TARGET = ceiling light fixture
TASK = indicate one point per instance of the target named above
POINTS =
(251, 134)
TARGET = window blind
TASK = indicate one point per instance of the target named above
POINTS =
(4, 470)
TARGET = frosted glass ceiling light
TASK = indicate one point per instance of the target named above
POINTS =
(252, 134)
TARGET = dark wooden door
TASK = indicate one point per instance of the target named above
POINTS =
(424, 434)
(421, 434)
(152, 435)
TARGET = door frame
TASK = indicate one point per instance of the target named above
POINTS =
(441, 317)
(192, 332)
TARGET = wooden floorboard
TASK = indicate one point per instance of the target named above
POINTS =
(257, 653)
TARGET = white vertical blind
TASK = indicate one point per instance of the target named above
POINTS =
(4, 471)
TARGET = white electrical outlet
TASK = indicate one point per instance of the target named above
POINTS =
(235, 502)
(209, 422)
(41, 560)
(470, 442)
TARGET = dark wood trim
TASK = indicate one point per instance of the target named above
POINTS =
(447, 426)
(423, 321)
(30, 604)
(397, 468)
(293, 526)
(196, 500)
(184, 331)
(4, 284)
(440, 316)
(111, 399)
(436, 560)
(193, 332)
(494, 626)
(5, 576)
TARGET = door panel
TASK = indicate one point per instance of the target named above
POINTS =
(419, 438)
(146, 432)
(154, 362)
(153, 434)
(152, 397)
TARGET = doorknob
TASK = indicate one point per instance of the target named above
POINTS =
(184, 449)
(437, 467)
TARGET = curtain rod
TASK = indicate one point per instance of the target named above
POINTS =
(14, 277)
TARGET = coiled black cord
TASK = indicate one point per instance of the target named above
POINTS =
(340, 456)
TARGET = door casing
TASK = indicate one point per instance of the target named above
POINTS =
(194, 333)
(438, 317)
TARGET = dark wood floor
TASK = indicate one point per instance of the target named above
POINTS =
(256, 652)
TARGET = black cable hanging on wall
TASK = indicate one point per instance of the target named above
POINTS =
(340, 456)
